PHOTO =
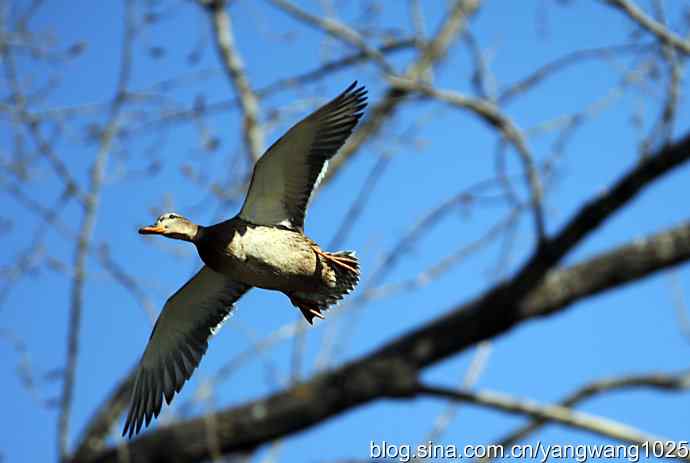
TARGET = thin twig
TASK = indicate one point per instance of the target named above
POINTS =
(680, 305)
(335, 29)
(373, 287)
(417, 18)
(536, 77)
(469, 379)
(434, 51)
(358, 204)
(28, 258)
(491, 114)
(44, 148)
(127, 281)
(483, 81)
(662, 131)
(312, 75)
(656, 28)
(435, 271)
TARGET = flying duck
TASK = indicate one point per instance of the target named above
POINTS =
(262, 246)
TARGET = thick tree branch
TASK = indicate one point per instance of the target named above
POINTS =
(604, 271)
(289, 411)
(390, 371)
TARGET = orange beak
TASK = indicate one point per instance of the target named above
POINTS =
(151, 230)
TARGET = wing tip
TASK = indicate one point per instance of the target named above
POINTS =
(124, 430)
(145, 404)
(130, 424)
(356, 97)
(163, 372)
(358, 93)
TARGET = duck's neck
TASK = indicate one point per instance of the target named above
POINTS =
(198, 235)
(193, 234)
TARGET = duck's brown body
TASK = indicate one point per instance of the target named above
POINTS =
(278, 258)
(267, 257)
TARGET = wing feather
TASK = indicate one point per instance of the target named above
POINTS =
(178, 342)
(286, 175)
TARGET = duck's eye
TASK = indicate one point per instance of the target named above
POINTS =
(171, 216)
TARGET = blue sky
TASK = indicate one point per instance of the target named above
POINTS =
(630, 330)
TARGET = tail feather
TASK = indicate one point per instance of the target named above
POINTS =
(346, 269)
(348, 276)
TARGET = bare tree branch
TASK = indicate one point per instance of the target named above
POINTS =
(678, 300)
(127, 281)
(662, 131)
(20, 109)
(433, 52)
(225, 44)
(602, 272)
(493, 116)
(554, 413)
(656, 28)
(536, 77)
(477, 366)
(335, 29)
(666, 382)
(358, 204)
(313, 75)
(86, 232)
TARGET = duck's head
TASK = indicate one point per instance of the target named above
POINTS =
(173, 226)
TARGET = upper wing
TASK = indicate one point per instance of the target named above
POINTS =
(178, 341)
(287, 173)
